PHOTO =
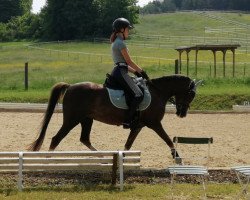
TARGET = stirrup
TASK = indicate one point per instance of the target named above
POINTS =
(126, 125)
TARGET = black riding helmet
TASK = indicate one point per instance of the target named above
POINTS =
(120, 23)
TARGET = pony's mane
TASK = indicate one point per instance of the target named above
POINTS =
(171, 77)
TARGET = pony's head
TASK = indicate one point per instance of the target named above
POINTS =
(184, 98)
(178, 89)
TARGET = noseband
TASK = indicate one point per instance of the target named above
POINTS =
(180, 106)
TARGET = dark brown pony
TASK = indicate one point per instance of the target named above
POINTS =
(85, 102)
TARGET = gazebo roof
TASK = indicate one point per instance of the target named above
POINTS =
(212, 47)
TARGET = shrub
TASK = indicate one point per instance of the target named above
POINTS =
(22, 27)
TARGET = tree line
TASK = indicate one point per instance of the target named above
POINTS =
(172, 5)
(78, 19)
(63, 19)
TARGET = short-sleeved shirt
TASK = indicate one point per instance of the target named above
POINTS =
(116, 48)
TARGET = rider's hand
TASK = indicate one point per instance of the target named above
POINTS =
(138, 74)
(144, 75)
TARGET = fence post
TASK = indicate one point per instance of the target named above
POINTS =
(210, 70)
(244, 70)
(176, 66)
(20, 172)
(121, 169)
(114, 168)
(26, 80)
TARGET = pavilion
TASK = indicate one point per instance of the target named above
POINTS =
(214, 48)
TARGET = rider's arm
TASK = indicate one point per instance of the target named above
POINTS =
(132, 66)
(130, 69)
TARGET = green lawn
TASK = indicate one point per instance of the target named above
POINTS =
(132, 191)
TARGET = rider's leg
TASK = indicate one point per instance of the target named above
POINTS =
(129, 86)
(130, 113)
(135, 92)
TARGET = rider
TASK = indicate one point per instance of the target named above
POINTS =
(123, 65)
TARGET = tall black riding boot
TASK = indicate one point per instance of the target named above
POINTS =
(130, 114)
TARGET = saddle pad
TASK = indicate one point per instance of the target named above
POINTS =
(117, 98)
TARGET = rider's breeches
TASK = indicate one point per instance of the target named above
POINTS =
(121, 75)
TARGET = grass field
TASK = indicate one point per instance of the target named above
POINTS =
(132, 191)
(152, 47)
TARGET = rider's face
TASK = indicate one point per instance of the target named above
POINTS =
(126, 32)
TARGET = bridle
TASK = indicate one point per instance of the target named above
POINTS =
(172, 100)
(192, 89)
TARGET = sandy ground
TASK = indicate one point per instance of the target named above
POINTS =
(230, 132)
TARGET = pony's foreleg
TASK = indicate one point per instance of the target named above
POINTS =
(163, 135)
(85, 135)
(131, 138)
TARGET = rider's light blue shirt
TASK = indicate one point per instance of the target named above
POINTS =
(116, 48)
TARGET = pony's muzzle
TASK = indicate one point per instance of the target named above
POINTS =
(181, 110)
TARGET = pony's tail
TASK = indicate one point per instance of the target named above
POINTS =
(57, 92)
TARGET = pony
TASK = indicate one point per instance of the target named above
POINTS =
(87, 101)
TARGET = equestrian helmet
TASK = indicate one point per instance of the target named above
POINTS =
(120, 23)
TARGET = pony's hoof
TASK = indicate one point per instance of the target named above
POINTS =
(178, 160)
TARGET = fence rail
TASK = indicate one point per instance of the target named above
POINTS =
(205, 68)
(37, 107)
(70, 160)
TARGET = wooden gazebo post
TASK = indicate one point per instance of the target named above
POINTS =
(180, 52)
(233, 50)
(214, 52)
(196, 62)
(224, 62)
(188, 50)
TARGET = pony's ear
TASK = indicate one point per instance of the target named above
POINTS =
(192, 85)
(196, 84)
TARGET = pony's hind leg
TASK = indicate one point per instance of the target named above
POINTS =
(64, 130)
(85, 135)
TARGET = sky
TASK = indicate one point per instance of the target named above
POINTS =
(38, 4)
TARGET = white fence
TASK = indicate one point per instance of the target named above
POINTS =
(71, 160)
(37, 107)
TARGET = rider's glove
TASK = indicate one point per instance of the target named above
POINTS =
(144, 75)
(138, 74)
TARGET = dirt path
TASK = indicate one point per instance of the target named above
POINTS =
(231, 133)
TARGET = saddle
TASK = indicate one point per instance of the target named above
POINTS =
(111, 82)
(120, 99)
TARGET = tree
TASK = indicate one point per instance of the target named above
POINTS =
(67, 19)
(26, 6)
(239, 4)
(8, 9)
(26, 26)
(168, 5)
(177, 3)
(13, 8)
(187, 5)
(152, 8)
(218, 5)
(109, 10)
